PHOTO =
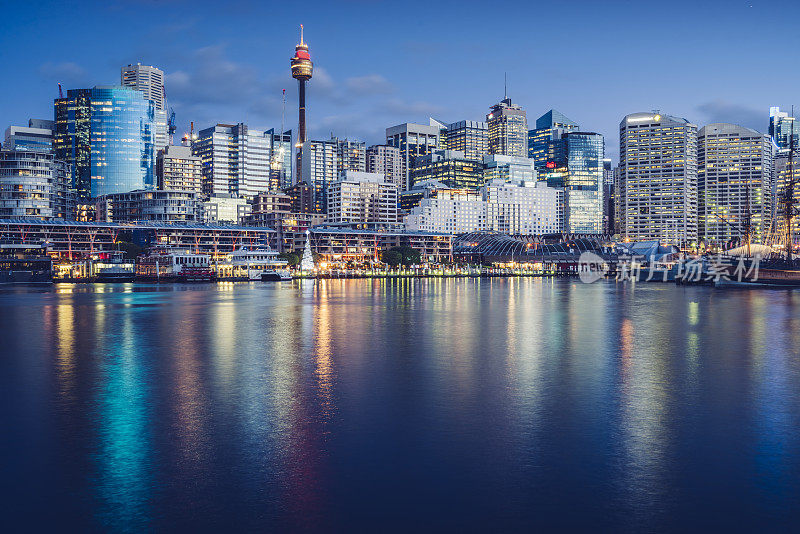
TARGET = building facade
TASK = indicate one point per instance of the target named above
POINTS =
(508, 169)
(72, 138)
(121, 140)
(469, 137)
(658, 178)
(449, 167)
(162, 206)
(550, 126)
(523, 208)
(386, 160)
(319, 167)
(236, 160)
(413, 141)
(280, 173)
(350, 155)
(178, 170)
(362, 197)
(782, 129)
(449, 211)
(224, 209)
(508, 129)
(150, 82)
(734, 182)
(33, 184)
(37, 136)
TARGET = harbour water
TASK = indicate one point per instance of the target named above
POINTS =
(465, 404)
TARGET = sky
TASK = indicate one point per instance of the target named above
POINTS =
(378, 64)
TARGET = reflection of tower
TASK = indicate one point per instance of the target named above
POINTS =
(302, 69)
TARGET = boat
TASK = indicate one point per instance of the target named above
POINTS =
(255, 264)
(166, 264)
(25, 264)
(111, 267)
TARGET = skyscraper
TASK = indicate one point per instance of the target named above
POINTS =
(236, 159)
(551, 125)
(734, 168)
(469, 137)
(122, 138)
(351, 155)
(449, 167)
(150, 81)
(71, 138)
(320, 167)
(508, 129)
(658, 178)
(386, 160)
(413, 140)
(280, 175)
(782, 128)
(178, 170)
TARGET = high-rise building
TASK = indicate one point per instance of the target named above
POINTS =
(508, 129)
(280, 174)
(469, 137)
(319, 167)
(236, 159)
(350, 155)
(178, 170)
(150, 81)
(413, 140)
(508, 169)
(734, 183)
(449, 167)
(551, 126)
(386, 160)
(358, 197)
(71, 138)
(782, 129)
(658, 178)
(122, 151)
(33, 184)
(608, 197)
(37, 136)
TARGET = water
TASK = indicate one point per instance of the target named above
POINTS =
(503, 404)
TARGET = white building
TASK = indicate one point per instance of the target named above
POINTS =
(362, 197)
(33, 184)
(451, 211)
(150, 81)
(148, 205)
(523, 208)
(735, 181)
(527, 208)
(225, 209)
(658, 178)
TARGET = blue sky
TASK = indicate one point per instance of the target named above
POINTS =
(382, 63)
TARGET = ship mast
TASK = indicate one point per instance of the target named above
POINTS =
(788, 198)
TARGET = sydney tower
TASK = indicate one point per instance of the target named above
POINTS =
(302, 69)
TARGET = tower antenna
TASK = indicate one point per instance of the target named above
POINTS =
(505, 86)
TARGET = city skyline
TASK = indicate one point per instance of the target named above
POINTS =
(218, 69)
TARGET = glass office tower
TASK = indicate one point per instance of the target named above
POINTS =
(122, 140)
(583, 194)
(551, 125)
(71, 142)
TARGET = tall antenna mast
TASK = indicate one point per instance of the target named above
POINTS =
(505, 86)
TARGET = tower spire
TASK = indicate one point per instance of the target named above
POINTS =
(301, 34)
(505, 86)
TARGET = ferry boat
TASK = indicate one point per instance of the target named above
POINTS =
(111, 267)
(261, 263)
(25, 264)
(166, 264)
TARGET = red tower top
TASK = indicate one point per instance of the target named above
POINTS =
(302, 67)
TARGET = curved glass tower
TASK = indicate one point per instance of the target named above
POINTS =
(122, 139)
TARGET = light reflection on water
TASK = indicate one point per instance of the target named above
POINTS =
(502, 403)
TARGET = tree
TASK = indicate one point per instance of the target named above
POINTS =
(391, 257)
(291, 257)
(130, 250)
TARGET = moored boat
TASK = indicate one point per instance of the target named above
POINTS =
(165, 264)
(25, 264)
(255, 264)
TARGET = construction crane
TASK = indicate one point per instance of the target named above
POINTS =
(60, 91)
(171, 127)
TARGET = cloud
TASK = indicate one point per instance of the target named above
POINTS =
(397, 106)
(66, 72)
(371, 84)
(723, 111)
